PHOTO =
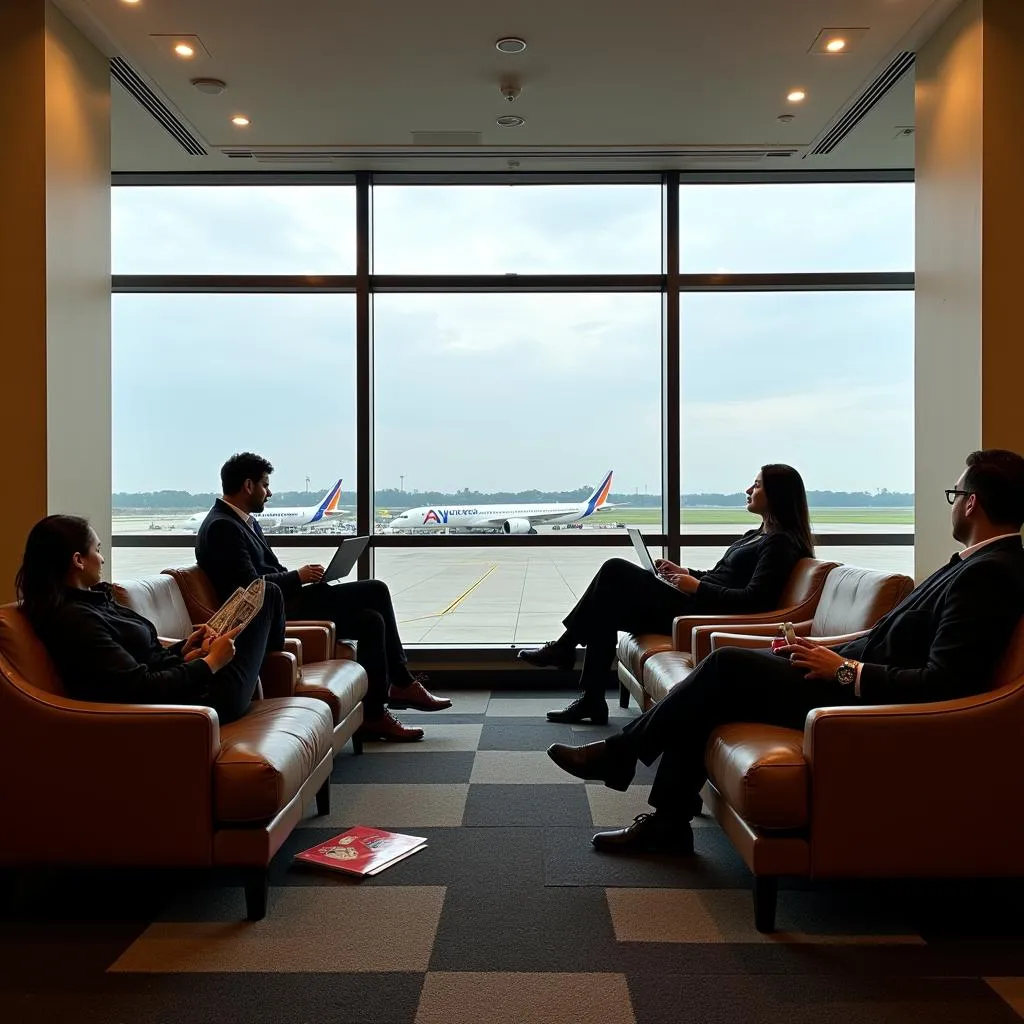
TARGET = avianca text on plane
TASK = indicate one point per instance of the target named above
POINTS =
(271, 519)
(506, 518)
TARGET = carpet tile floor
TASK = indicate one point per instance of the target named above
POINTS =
(508, 915)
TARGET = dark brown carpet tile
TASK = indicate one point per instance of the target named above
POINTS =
(397, 767)
(526, 805)
(571, 860)
(224, 998)
(513, 928)
(685, 999)
(472, 858)
(498, 734)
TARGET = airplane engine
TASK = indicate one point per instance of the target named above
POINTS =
(269, 525)
(516, 526)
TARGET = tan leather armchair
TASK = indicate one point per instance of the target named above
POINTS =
(150, 785)
(327, 670)
(799, 601)
(868, 791)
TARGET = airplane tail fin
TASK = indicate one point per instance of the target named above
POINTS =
(329, 503)
(600, 495)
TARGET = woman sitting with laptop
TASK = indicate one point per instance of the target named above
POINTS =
(106, 652)
(622, 596)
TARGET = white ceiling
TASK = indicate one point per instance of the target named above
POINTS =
(355, 79)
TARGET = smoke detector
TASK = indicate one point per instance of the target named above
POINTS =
(210, 86)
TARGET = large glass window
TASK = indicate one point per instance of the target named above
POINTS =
(225, 229)
(502, 229)
(199, 377)
(807, 228)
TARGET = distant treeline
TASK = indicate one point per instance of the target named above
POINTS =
(394, 498)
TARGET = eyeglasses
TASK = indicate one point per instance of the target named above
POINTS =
(952, 492)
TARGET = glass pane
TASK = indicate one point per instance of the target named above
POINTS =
(525, 229)
(822, 381)
(488, 595)
(199, 377)
(810, 228)
(233, 229)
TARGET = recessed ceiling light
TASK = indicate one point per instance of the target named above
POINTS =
(835, 45)
(241, 121)
(510, 121)
(184, 50)
(837, 39)
(132, 2)
(796, 96)
(510, 44)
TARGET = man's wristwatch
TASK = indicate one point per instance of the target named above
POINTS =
(846, 674)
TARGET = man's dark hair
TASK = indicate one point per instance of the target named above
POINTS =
(241, 467)
(996, 476)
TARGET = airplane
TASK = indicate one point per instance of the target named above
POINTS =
(272, 519)
(503, 518)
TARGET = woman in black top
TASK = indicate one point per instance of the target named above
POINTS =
(622, 596)
(106, 652)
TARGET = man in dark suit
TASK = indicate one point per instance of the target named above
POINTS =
(232, 551)
(944, 640)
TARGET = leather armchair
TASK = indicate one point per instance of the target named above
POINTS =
(864, 791)
(150, 785)
(798, 602)
(327, 670)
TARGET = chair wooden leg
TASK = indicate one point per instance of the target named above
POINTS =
(323, 798)
(766, 891)
(357, 743)
(623, 696)
(257, 890)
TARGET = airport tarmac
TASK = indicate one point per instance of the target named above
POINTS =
(493, 595)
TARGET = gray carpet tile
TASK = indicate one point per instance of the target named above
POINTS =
(684, 999)
(499, 735)
(397, 767)
(570, 859)
(526, 805)
(527, 928)
(253, 998)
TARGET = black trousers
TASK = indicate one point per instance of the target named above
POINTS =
(621, 596)
(231, 689)
(730, 685)
(361, 611)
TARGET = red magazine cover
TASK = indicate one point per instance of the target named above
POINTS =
(362, 850)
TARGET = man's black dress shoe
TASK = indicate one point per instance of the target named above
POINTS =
(648, 832)
(582, 708)
(594, 762)
(552, 655)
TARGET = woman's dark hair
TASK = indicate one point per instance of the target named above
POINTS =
(996, 476)
(241, 467)
(787, 505)
(51, 545)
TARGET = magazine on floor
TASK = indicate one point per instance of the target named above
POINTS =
(363, 851)
(239, 609)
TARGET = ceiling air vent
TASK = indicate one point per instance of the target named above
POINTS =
(155, 107)
(860, 108)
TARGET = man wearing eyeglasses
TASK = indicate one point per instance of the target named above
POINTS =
(944, 640)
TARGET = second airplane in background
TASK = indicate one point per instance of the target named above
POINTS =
(504, 518)
(281, 518)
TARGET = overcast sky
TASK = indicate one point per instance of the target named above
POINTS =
(512, 392)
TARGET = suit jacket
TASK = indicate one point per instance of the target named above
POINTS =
(750, 576)
(233, 554)
(947, 637)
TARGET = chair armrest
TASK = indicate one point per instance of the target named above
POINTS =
(279, 673)
(315, 641)
(322, 623)
(844, 638)
(294, 646)
(683, 625)
(702, 645)
(887, 781)
(134, 781)
(748, 641)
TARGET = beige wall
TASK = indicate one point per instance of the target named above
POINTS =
(54, 275)
(970, 222)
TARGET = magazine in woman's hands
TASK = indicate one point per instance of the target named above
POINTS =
(239, 609)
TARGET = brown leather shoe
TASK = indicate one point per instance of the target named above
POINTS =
(387, 727)
(415, 696)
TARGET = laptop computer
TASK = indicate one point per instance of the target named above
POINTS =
(344, 559)
(643, 555)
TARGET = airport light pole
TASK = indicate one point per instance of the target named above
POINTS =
(401, 482)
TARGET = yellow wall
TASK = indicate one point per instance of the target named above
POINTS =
(54, 275)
